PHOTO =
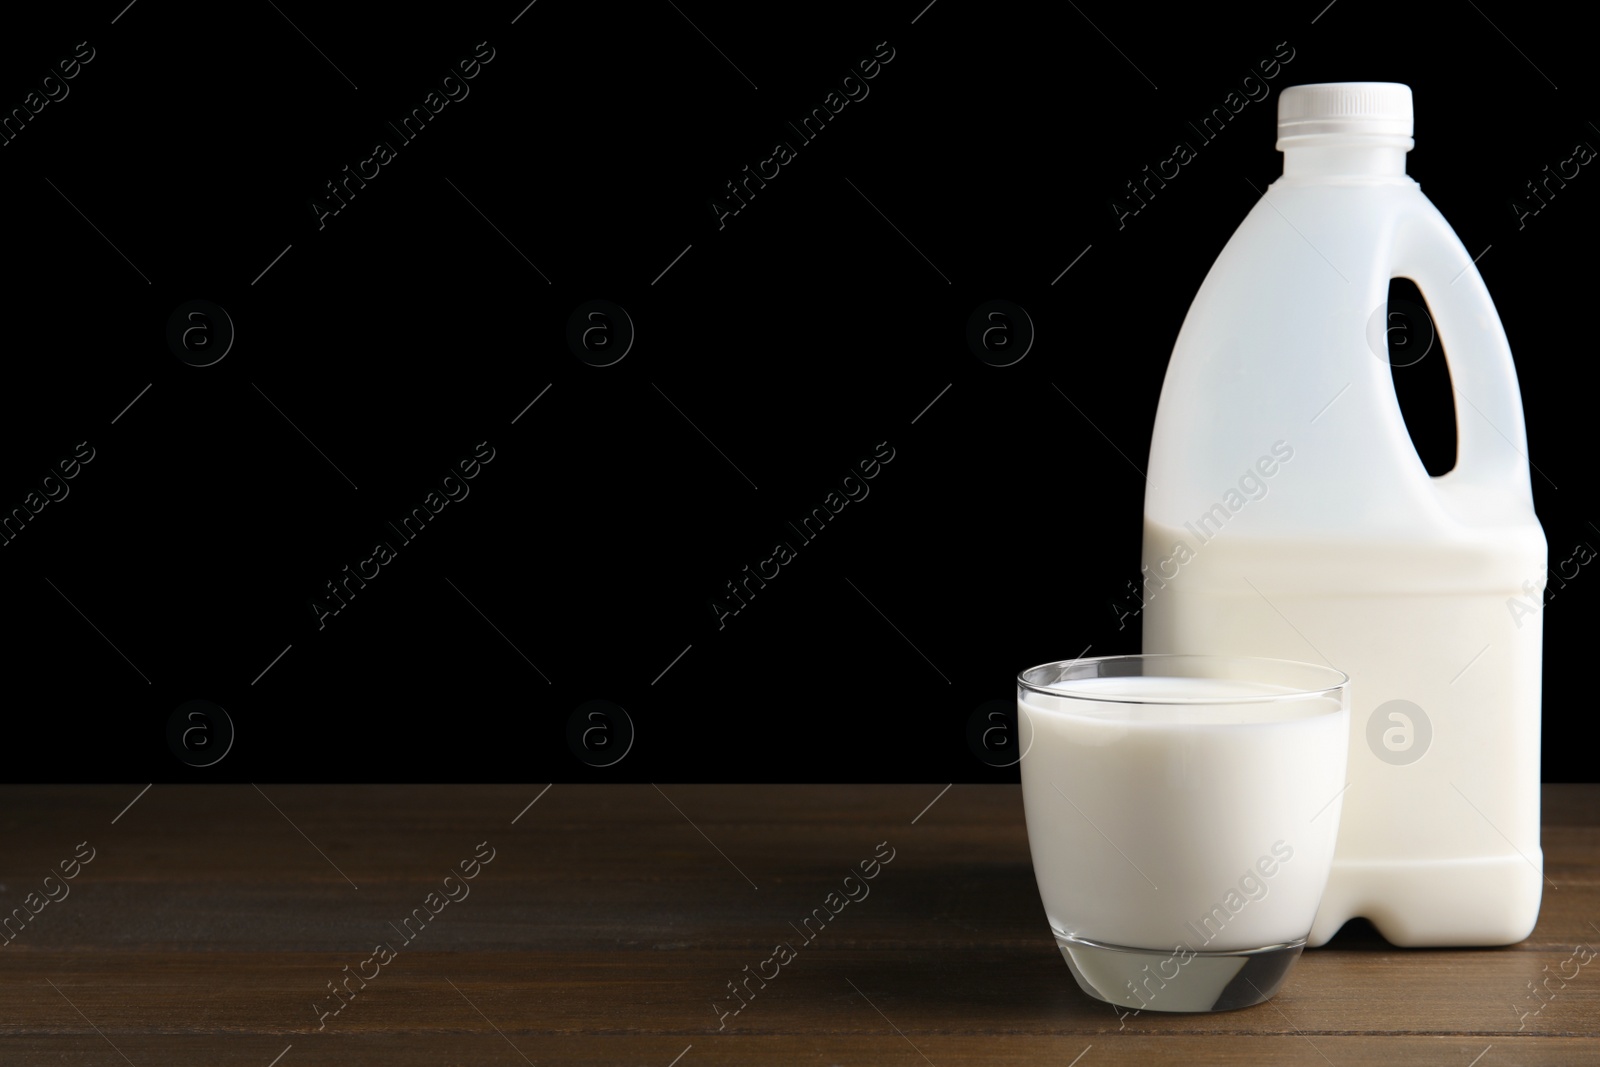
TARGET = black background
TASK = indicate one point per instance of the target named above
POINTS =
(775, 352)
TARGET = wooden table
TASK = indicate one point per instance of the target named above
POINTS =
(608, 922)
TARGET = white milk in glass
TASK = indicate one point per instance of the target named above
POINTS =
(1209, 825)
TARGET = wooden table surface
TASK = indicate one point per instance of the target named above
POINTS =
(209, 922)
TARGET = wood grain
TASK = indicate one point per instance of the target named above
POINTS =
(610, 919)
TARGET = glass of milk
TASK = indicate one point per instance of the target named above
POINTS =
(1182, 813)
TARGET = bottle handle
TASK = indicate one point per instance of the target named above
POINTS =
(1491, 437)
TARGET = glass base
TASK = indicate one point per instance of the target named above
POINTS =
(1178, 979)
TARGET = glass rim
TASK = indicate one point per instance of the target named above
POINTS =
(1293, 692)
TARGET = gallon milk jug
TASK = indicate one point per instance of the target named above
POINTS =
(1288, 515)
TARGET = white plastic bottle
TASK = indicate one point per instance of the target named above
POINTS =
(1288, 514)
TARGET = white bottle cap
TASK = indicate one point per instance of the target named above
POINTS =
(1345, 109)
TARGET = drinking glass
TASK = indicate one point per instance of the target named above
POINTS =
(1182, 813)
